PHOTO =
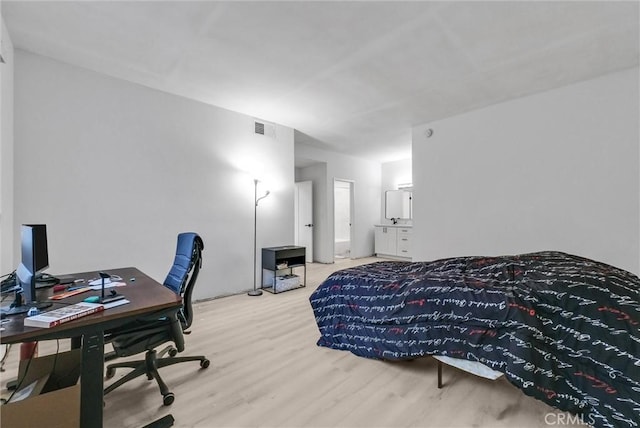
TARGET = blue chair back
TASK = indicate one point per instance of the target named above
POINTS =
(188, 260)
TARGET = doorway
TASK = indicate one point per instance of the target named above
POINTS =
(303, 203)
(342, 218)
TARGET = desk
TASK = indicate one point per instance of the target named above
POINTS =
(146, 296)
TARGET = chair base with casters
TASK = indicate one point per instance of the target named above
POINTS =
(164, 422)
(150, 332)
(153, 361)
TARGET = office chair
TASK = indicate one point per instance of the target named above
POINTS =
(148, 333)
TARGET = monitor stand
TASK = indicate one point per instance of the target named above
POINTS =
(112, 297)
(19, 307)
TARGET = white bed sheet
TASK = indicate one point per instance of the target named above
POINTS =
(473, 367)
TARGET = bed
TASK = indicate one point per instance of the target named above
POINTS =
(562, 328)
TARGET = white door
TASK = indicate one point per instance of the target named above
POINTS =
(303, 202)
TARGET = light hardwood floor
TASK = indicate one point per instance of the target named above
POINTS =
(267, 371)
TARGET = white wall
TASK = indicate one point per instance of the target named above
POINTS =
(117, 170)
(366, 175)
(394, 174)
(553, 171)
(6, 154)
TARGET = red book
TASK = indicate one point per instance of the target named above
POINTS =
(63, 314)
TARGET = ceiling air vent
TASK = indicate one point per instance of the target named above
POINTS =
(264, 128)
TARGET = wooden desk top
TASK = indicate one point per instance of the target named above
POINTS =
(145, 295)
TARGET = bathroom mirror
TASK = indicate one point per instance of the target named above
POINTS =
(398, 205)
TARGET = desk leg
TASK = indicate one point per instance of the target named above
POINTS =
(91, 381)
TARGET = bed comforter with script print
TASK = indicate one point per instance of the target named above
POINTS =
(564, 329)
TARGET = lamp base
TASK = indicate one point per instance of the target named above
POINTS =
(255, 292)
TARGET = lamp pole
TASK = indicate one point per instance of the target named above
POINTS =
(255, 291)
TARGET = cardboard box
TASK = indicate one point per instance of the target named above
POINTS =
(30, 390)
(54, 400)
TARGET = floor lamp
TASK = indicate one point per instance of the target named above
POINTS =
(256, 291)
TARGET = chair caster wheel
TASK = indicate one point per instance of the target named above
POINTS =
(110, 373)
(168, 398)
(173, 352)
(204, 363)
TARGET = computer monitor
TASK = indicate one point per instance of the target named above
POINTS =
(35, 259)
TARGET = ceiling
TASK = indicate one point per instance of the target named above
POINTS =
(353, 77)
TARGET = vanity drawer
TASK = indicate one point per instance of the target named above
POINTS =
(404, 242)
